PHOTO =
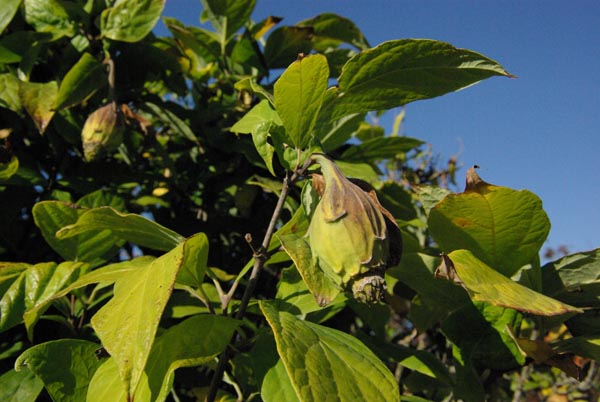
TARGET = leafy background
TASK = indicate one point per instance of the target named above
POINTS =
(196, 146)
(537, 132)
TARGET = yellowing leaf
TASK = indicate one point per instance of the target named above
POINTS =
(502, 227)
(38, 100)
(485, 284)
(127, 324)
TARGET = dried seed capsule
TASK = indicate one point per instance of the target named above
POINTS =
(102, 132)
(350, 234)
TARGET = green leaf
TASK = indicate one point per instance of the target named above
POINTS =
(402, 71)
(575, 277)
(106, 275)
(362, 171)
(9, 92)
(260, 136)
(420, 361)
(332, 29)
(285, 44)
(106, 385)
(127, 324)
(198, 46)
(101, 198)
(486, 284)
(249, 84)
(321, 287)
(130, 20)
(196, 261)
(131, 227)
(38, 100)
(430, 196)
(322, 362)
(93, 247)
(334, 134)
(299, 94)
(170, 119)
(65, 366)
(436, 296)
(486, 340)
(20, 386)
(7, 12)
(193, 342)
(80, 82)
(259, 114)
(375, 149)
(277, 385)
(502, 227)
(227, 16)
(29, 286)
(56, 17)
(9, 168)
(294, 297)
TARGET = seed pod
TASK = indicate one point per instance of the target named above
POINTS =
(102, 132)
(353, 239)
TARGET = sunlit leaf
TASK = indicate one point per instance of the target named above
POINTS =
(402, 71)
(82, 80)
(321, 287)
(9, 92)
(261, 113)
(38, 100)
(7, 12)
(130, 20)
(9, 168)
(260, 136)
(486, 284)
(131, 227)
(504, 228)
(322, 361)
(127, 324)
(65, 366)
(52, 16)
(26, 287)
(193, 342)
(227, 16)
(92, 247)
(299, 94)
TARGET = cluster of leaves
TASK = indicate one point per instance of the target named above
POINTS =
(131, 274)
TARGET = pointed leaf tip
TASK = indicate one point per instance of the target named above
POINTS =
(474, 182)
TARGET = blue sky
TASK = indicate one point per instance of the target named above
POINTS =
(540, 131)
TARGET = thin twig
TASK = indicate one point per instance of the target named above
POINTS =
(260, 258)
